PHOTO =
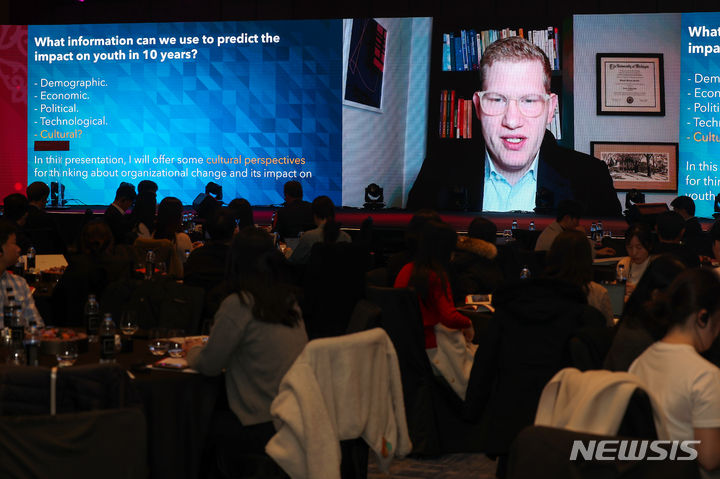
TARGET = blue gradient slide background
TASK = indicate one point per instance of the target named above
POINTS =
(254, 100)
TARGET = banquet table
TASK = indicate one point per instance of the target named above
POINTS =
(178, 407)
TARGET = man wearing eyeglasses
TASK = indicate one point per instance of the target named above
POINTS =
(521, 168)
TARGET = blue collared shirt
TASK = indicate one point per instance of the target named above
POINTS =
(499, 195)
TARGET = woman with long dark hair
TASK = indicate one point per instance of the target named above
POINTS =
(428, 276)
(257, 334)
(169, 221)
(327, 231)
(570, 259)
(684, 384)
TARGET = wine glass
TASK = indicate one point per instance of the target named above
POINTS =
(176, 340)
(67, 354)
(128, 323)
(158, 345)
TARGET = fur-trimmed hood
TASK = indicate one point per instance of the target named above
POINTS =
(477, 246)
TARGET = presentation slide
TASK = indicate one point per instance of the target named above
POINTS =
(700, 110)
(248, 105)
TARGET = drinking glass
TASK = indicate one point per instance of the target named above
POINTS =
(67, 354)
(158, 344)
(176, 340)
(128, 323)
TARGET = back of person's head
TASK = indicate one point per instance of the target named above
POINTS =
(715, 231)
(514, 50)
(436, 244)
(147, 186)
(7, 228)
(125, 191)
(484, 229)
(214, 189)
(570, 258)
(692, 291)
(293, 190)
(15, 206)
(571, 208)
(669, 225)
(37, 191)
(324, 209)
(660, 273)
(242, 211)
(221, 225)
(642, 232)
(416, 225)
(144, 209)
(96, 238)
(684, 203)
(169, 218)
(258, 268)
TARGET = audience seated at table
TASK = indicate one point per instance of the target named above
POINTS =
(97, 263)
(570, 259)
(11, 283)
(427, 274)
(296, 215)
(327, 230)
(121, 223)
(39, 225)
(670, 228)
(206, 267)
(637, 329)
(15, 210)
(568, 217)
(169, 221)
(686, 386)
(257, 335)
(638, 242)
(242, 212)
(397, 261)
(143, 214)
(474, 268)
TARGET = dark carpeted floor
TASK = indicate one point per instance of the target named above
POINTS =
(448, 466)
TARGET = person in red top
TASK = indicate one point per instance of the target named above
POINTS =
(427, 275)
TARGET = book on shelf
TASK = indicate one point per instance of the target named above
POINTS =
(463, 51)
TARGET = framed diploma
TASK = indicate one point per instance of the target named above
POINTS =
(641, 166)
(630, 84)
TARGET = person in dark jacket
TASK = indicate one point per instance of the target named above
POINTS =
(295, 216)
(40, 227)
(116, 217)
(474, 268)
(670, 230)
(525, 345)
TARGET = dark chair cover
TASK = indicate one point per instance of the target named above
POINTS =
(108, 443)
(544, 453)
(432, 408)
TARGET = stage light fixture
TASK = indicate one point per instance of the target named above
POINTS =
(374, 198)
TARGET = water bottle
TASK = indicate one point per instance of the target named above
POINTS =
(187, 254)
(599, 231)
(149, 264)
(31, 259)
(92, 318)
(532, 226)
(32, 345)
(17, 326)
(8, 307)
(514, 224)
(525, 273)
(621, 274)
(107, 340)
(593, 231)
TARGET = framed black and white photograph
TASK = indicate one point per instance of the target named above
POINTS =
(641, 166)
(630, 84)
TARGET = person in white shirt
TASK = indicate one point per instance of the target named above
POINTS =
(685, 385)
(11, 284)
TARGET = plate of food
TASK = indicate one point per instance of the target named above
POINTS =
(51, 339)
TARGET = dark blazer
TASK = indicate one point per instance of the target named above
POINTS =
(43, 232)
(293, 218)
(455, 181)
(120, 224)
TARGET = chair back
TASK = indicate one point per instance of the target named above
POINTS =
(545, 453)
